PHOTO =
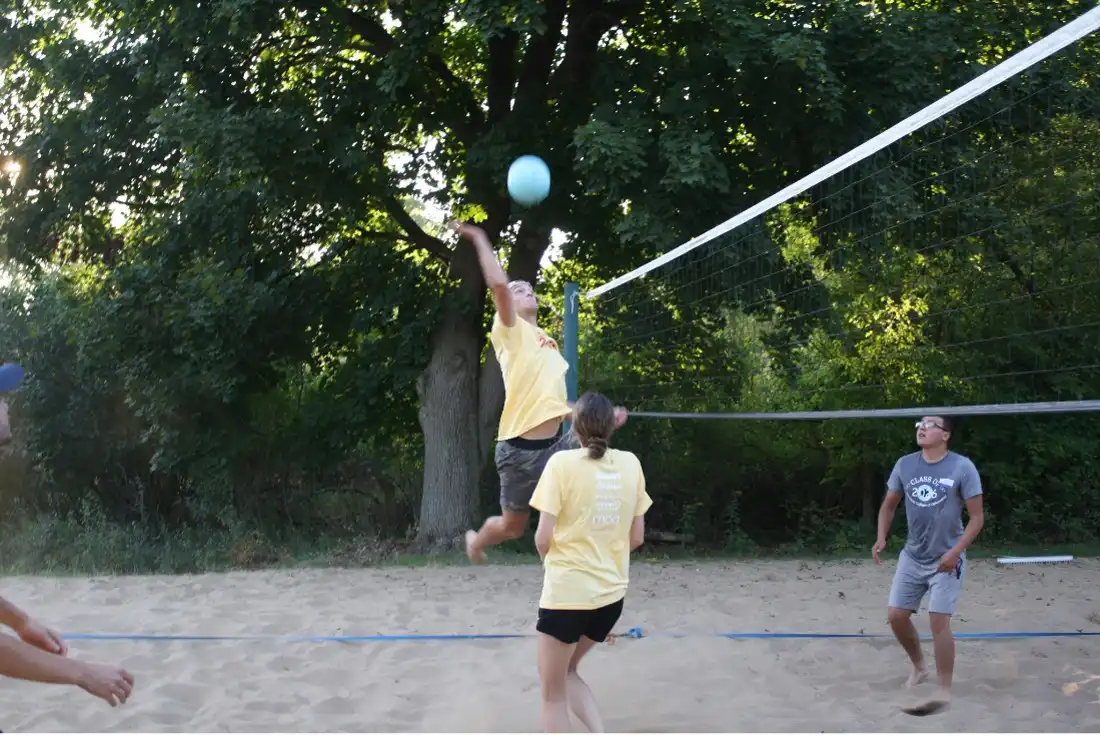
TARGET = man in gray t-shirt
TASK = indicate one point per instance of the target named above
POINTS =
(936, 484)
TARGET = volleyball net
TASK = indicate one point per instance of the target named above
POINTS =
(951, 262)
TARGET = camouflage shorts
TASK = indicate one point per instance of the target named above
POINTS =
(520, 463)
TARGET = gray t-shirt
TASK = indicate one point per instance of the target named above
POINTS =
(935, 494)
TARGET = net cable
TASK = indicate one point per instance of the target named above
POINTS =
(1033, 54)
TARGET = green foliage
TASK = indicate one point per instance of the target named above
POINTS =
(963, 272)
(156, 398)
(231, 278)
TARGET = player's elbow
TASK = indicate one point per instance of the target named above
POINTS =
(502, 299)
(500, 289)
(542, 544)
(637, 534)
(544, 536)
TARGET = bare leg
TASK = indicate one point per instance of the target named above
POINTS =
(581, 700)
(943, 643)
(902, 625)
(554, 658)
(496, 529)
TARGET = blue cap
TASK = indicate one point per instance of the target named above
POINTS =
(11, 375)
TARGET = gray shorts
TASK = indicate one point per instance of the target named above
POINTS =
(913, 579)
(520, 463)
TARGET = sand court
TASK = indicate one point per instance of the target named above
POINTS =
(657, 684)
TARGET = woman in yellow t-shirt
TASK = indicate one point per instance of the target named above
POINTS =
(591, 504)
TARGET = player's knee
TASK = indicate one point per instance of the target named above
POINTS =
(554, 689)
(940, 623)
(514, 524)
(897, 616)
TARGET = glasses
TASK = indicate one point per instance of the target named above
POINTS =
(928, 424)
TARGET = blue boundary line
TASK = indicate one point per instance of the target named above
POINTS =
(633, 633)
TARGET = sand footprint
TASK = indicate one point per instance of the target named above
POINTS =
(337, 705)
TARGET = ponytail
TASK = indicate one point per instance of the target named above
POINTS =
(596, 446)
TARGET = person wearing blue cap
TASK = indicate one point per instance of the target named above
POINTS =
(37, 653)
(11, 375)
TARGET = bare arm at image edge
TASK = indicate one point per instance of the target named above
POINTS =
(25, 662)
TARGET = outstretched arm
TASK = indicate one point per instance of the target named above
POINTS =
(491, 270)
(12, 615)
(24, 662)
(30, 630)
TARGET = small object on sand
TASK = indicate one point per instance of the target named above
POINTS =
(1034, 560)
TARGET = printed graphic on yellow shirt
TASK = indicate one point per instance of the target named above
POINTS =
(595, 503)
(609, 502)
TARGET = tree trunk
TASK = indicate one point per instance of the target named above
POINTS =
(448, 393)
(490, 402)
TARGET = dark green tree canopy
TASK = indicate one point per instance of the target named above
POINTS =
(244, 199)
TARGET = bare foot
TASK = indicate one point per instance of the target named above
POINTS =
(476, 555)
(917, 676)
(928, 706)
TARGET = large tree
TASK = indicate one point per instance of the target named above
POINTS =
(250, 133)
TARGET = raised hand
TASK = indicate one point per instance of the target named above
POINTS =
(468, 231)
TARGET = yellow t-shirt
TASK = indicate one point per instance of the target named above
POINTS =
(595, 502)
(534, 377)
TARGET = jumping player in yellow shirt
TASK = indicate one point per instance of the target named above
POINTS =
(535, 400)
(592, 503)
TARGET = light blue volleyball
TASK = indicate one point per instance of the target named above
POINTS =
(528, 180)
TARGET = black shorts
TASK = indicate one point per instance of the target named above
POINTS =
(568, 626)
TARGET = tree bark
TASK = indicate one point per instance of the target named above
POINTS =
(490, 402)
(448, 393)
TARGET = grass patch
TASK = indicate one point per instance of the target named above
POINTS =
(90, 545)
